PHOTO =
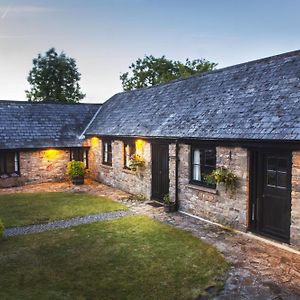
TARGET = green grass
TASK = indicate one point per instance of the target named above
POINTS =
(36, 208)
(129, 258)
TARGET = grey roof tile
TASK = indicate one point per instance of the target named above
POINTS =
(40, 125)
(254, 100)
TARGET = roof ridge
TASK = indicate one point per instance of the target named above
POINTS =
(45, 102)
(90, 122)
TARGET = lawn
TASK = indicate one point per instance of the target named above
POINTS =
(129, 258)
(36, 208)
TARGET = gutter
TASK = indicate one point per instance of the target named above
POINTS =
(82, 136)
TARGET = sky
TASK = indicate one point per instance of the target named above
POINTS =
(106, 36)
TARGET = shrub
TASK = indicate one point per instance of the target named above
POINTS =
(1, 230)
(166, 199)
(75, 169)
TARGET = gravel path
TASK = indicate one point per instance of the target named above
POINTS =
(65, 223)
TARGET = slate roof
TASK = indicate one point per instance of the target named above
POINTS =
(255, 100)
(42, 125)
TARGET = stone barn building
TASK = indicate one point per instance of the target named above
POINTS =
(244, 119)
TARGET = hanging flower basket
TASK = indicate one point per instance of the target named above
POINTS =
(222, 175)
(135, 162)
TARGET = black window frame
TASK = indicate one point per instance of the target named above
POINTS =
(203, 165)
(132, 150)
(79, 153)
(109, 152)
(4, 163)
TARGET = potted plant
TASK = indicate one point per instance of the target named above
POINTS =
(168, 204)
(135, 162)
(75, 171)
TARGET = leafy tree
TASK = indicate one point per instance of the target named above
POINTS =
(151, 71)
(54, 77)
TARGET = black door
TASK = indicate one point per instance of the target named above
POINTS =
(271, 194)
(160, 171)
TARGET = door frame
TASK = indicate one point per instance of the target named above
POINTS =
(153, 145)
(256, 185)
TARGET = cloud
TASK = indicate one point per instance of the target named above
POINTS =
(6, 11)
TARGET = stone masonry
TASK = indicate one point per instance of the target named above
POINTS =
(38, 166)
(44, 165)
(135, 182)
(217, 205)
(295, 214)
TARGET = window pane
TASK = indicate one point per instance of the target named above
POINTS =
(127, 155)
(271, 178)
(10, 162)
(105, 152)
(196, 173)
(272, 163)
(281, 179)
(76, 155)
(282, 165)
(2, 163)
(109, 153)
(210, 158)
(206, 170)
(196, 159)
(85, 157)
(16, 162)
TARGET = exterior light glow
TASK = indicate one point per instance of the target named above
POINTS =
(51, 153)
(139, 145)
(94, 141)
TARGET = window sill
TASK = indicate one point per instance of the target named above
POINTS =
(203, 188)
(105, 166)
(128, 171)
(6, 176)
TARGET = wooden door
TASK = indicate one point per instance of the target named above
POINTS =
(160, 171)
(271, 195)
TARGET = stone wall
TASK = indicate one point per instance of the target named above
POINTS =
(135, 182)
(172, 171)
(216, 205)
(40, 166)
(295, 214)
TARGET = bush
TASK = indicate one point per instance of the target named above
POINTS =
(75, 169)
(1, 230)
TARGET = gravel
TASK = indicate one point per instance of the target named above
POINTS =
(65, 223)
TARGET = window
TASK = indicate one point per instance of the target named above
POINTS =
(203, 162)
(80, 154)
(9, 163)
(129, 149)
(107, 153)
(277, 175)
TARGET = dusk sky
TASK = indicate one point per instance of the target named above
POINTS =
(106, 36)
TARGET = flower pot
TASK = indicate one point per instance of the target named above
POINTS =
(78, 180)
(170, 207)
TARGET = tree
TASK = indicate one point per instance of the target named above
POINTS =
(151, 71)
(54, 77)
